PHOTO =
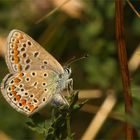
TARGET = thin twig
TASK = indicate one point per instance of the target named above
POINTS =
(123, 65)
(53, 11)
(133, 8)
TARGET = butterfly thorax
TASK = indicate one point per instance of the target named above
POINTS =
(64, 79)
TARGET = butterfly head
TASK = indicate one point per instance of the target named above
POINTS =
(67, 72)
(64, 78)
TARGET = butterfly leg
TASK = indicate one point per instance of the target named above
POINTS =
(69, 86)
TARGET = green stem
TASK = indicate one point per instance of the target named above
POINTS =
(68, 128)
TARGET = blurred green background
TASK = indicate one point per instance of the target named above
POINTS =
(67, 33)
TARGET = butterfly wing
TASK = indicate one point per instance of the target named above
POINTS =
(29, 91)
(23, 53)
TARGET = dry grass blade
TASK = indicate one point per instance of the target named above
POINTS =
(3, 136)
(100, 117)
(54, 10)
(72, 8)
(135, 60)
(133, 8)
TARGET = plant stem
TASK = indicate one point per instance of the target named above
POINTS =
(123, 66)
(68, 127)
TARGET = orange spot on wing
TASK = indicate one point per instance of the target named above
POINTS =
(13, 87)
(16, 59)
(14, 93)
(23, 102)
(19, 67)
(17, 41)
(15, 52)
(16, 80)
(31, 108)
(20, 36)
(18, 97)
(21, 74)
(15, 47)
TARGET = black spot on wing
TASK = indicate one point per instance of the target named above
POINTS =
(6, 78)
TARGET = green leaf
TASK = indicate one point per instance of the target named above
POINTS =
(57, 126)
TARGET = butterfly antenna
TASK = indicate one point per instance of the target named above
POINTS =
(74, 59)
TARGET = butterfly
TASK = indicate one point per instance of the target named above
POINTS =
(36, 77)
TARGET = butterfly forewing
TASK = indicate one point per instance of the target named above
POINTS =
(30, 90)
(23, 54)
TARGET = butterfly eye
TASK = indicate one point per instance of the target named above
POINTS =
(68, 70)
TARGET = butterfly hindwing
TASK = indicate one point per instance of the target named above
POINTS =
(30, 90)
(23, 53)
